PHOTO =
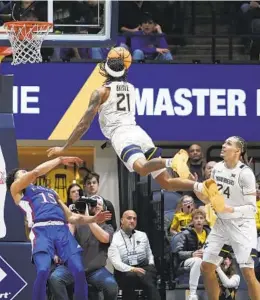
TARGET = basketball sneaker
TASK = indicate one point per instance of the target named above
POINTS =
(179, 164)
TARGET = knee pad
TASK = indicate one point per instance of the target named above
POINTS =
(153, 153)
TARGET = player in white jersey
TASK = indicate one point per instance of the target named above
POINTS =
(235, 225)
(115, 103)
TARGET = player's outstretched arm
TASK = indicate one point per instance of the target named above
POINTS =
(100, 217)
(19, 185)
(96, 99)
(83, 219)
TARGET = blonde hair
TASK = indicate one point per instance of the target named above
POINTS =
(198, 211)
(179, 205)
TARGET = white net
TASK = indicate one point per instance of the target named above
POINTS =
(26, 40)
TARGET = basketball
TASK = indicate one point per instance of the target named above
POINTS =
(120, 52)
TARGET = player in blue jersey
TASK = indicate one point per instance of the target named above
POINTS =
(50, 217)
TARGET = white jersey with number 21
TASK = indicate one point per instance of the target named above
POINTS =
(119, 108)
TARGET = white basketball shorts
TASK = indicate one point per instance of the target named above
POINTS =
(130, 144)
(240, 234)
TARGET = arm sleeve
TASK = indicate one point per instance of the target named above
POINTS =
(110, 230)
(232, 282)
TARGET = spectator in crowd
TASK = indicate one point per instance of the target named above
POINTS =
(189, 249)
(95, 240)
(91, 186)
(149, 42)
(131, 13)
(30, 10)
(182, 217)
(208, 169)
(132, 258)
(196, 165)
(228, 279)
(250, 24)
(83, 172)
(196, 162)
(73, 193)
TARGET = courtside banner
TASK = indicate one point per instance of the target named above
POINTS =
(173, 102)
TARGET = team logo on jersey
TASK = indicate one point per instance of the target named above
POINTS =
(2, 177)
(233, 175)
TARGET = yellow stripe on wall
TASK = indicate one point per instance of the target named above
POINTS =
(77, 108)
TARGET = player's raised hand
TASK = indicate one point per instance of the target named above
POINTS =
(71, 160)
(55, 151)
(102, 216)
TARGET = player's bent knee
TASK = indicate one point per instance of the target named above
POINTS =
(139, 166)
(143, 172)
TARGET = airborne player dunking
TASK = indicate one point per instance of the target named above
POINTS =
(115, 103)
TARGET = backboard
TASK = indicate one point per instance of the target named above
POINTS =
(89, 23)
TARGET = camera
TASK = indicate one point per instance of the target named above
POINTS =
(79, 206)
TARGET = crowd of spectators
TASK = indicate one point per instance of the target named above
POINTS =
(151, 30)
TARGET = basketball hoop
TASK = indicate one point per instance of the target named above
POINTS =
(26, 39)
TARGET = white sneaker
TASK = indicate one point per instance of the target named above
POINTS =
(193, 297)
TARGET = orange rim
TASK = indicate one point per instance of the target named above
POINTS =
(5, 51)
(25, 29)
(28, 24)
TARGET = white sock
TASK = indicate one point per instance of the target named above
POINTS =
(193, 292)
(168, 162)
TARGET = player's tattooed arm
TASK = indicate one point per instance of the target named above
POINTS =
(85, 122)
